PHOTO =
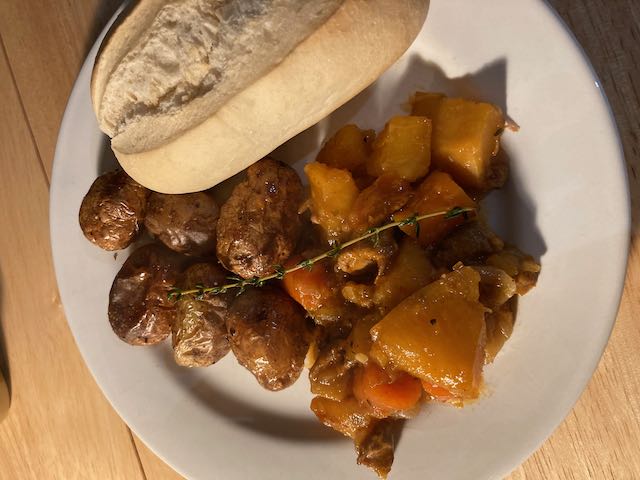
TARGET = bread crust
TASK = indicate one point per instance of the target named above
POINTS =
(339, 60)
(170, 64)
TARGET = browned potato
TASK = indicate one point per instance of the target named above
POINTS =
(184, 223)
(199, 333)
(140, 311)
(113, 210)
(259, 225)
(269, 336)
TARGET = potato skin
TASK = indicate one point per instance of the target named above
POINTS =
(259, 225)
(269, 336)
(140, 311)
(113, 210)
(184, 223)
(199, 334)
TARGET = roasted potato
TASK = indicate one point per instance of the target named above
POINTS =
(199, 332)
(269, 336)
(184, 223)
(140, 311)
(259, 225)
(113, 210)
(403, 149)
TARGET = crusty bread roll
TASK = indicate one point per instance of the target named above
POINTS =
(194, 91)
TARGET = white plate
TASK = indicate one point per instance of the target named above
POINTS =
(566, 203)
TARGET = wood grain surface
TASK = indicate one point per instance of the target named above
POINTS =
(61, 427)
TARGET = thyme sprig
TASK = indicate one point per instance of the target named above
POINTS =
(199, 291)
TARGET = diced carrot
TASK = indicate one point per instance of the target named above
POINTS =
(373, 385)
(310, 288)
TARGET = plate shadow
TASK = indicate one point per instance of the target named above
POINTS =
(247, 415)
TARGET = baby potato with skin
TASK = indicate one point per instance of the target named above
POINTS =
(140, 311)
(259, 225)
(184, 223)
(113, 210)
(199, 333)
(269, 336)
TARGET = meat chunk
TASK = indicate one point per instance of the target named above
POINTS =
(184, 223)
(522, 267)
(375, 446)
(468, 243)
(366, 258)
(269, 336)
(140, 311)
(113, 210)
(199, 333)
(331, 374)
(259, 224)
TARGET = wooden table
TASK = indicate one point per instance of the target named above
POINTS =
(61, 427)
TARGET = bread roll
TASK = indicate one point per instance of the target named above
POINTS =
(194, 91)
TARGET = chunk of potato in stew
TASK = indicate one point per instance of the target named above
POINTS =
(402, 149)
(348, 149)
(438, 334)
(438, 192)
(333, 193)
(466, 138)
